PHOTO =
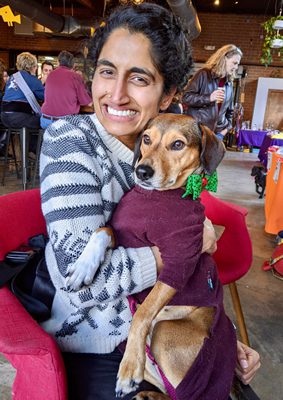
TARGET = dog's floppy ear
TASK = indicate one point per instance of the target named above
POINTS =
(137, 150)
(212, 150)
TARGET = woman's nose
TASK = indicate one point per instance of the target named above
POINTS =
(119, 92)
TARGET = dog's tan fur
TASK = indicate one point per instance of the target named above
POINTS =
(174, 146)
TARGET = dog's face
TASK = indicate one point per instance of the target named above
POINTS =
(172, 147)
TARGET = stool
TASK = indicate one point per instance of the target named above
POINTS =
(7, 158)
(24, 134)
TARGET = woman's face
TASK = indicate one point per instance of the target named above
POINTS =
(232, 64)
(127, 89)
(5, 76)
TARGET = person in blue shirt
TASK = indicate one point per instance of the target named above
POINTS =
(16, 111)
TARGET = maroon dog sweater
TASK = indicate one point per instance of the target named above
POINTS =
(175, 225)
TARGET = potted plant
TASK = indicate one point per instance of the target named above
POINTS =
(272, 39)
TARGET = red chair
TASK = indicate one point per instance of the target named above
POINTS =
(234, 249)
(33, 353)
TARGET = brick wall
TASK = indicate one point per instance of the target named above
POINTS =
(244, 31)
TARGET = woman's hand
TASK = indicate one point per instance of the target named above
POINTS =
(247, 364)
(209, 237)
(217, 95)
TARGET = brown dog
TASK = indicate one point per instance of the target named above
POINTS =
(169, 150)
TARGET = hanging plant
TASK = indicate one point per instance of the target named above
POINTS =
(272, 40)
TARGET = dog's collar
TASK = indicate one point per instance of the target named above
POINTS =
(197, 183)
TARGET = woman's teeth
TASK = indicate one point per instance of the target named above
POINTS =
(121, 113)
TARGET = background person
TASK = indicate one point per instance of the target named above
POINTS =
(46, 68)
(65, 91)
(16, 111)
(85, 169)
(5, 76)
(2, 80)
(209, 94)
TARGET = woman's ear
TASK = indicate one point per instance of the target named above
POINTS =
(167, 99)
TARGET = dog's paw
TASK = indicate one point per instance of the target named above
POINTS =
(81, 273)
(130, 375)
(84, 269)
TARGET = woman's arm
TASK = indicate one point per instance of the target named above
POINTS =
(74, 204)
(194, 96)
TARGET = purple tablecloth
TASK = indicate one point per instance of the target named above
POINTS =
(267, 142)
(251, 137)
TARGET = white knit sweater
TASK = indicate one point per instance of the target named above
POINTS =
(84, 173)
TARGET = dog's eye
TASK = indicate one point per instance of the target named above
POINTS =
(146, 139)
(178, 145)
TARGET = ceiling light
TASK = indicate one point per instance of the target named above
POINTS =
(216, 2)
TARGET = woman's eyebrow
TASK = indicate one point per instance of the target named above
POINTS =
(103, 61)
(143, 71)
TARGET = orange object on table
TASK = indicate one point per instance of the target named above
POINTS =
(274, 197)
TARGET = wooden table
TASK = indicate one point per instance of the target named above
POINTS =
(274, 197)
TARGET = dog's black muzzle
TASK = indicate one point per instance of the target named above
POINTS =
(144, 172)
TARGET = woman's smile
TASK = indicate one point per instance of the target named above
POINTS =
(120, 113)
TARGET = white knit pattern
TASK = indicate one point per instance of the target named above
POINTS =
(84, 173)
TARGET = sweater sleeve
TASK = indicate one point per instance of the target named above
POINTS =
(78, 197)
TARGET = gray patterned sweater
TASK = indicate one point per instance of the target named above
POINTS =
(84, 173)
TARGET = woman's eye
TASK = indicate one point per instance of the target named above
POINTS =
(177, 145)
(106, 72)
(146, 139)
(140, 80)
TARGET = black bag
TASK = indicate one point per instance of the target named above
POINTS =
(26, 272)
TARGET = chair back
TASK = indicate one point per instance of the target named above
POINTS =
(234, 248)
(20, 218)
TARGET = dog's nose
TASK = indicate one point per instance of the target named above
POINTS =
(144, 172)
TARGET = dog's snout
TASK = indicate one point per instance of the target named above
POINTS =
(144, 172)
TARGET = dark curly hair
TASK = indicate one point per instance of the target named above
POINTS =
(171, 50)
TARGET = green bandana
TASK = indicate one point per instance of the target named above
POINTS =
(197, 183)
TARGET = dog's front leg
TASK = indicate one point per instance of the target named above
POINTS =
(84, 269)
(131, 371)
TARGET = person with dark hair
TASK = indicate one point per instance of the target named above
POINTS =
(46, 68)
(209, 94)
(65, 91)
(85, 168)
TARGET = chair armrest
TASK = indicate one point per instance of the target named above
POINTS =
(19, 332)
(34, 354)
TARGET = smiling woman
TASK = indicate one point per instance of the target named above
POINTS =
(86, 167)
